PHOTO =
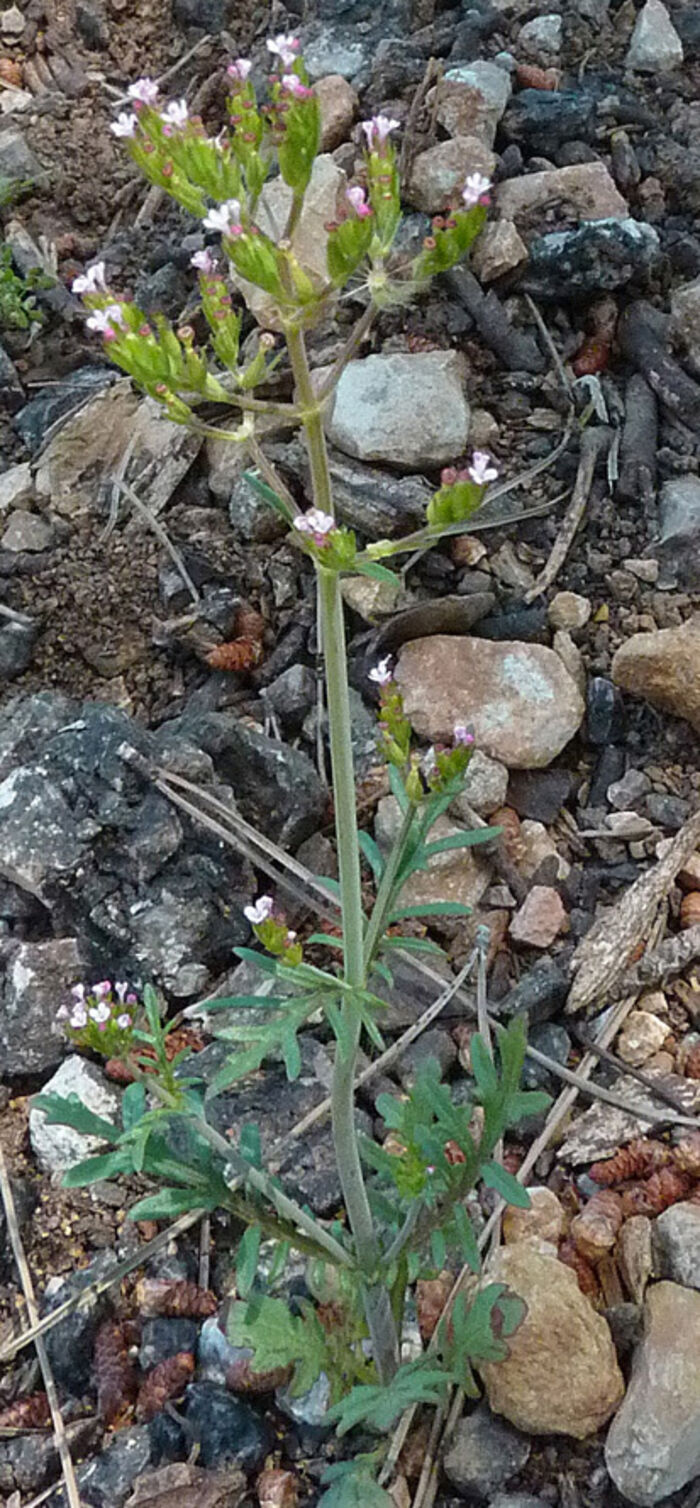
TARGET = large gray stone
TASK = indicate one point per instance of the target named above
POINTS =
(484, 1454)
(35, 979)
(472, 100)
(57, 1148)
(523, 705)
(664, 668)
(439, 174)
(39, 836)
(679, 529)
(653, 1445)
(655, 46)
(409, 410)
(677, 1244)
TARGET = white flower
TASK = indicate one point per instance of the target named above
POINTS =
(260, 912)
(475, 186)
(102, 988)
(462, 735)
(176, 113)
(314, 522)
(285, 48)
(120, 988)
(124, 1022)
(356, 197)
(100, 1013)
(225, 217)
(124, 125)
(78, 1017)
(293, 85)
(381, 674)
(239, 70)
(78, 993)
(91, 281)
(144, 90)
(103, 321)
(377, 129)
(63, 1012)
(203, 261)
(480, 470)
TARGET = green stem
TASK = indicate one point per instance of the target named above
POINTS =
(377, 1300)
(387, 886)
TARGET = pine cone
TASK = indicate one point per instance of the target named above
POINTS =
(686, 1155)
(587, 1280)
(655, 1194)
(27, 1413)
(114, 1372)
(166, 1381)
(240, 654)
(174, 1298)
(594, 1231)
(637, 1160)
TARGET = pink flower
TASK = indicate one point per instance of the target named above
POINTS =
(144, 91)
(225, 218)
(377, 129)
(176, 113)
(124, 1022)
(132, 999)
(480, 470)
(204, 262)
(261, 911)
(102, 988)
(239, 70)
(92, 280)
(124, 125)
(284, 47)
(462, 734)
(100, 1014)
(474, 189)
(382, 673)
(319, 525)
(78, 1018)
(103, 321)
(78, 993)
(356, 197)
(293, 85)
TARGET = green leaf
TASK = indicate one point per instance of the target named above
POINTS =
(377, 572)
(94, 1169)
(133, 1105)
(279, 1338)
(467, 1239)
(326, 939)
(247, 1259)
(245, 1002)
(431, 908)
(152, 1007)
(497, 1177)
(356, 1490)
(438, 1248)
(250, 1145)
(371, 853)
(70, 1111)
(413, 945)
(482, 1066)
(262, 961)
(459, 840)
(168, 1203)
(398, 788)
(418, 1382)
(476, 1331)
(268, 495)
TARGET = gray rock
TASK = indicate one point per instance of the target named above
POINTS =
(163, 1337)
(17, 160)
(601, 255)
(679, 532)
(625, 794)
(106, 1481)
(33, 1458)
(17, 641)
(58, 1148)
(171, 933)
(543, 120)
(70, 1342)
(516, 1500)
(485, 786)
(439, 173)
(27, 531)
(205, 15)
(653, 1445)
(473, 100)
(435, 1044)
(251, 517)
(337, 50)
(684, 325)
(292, 694)
(655, 46)
(677, 1244)
(37, 416)
(228, 1431)
(38, 832)
(484, 1454)
(276, 786)
(380, 411)
(16, 487)
(542, 35)
(309, 1409)
(36, 979)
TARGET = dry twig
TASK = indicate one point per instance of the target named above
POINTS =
(593, 442)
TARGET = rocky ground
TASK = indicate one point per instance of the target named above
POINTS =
(563, 629)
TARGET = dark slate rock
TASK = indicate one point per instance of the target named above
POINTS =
(554, 1041)
(33, 1459)
(526, 623)
(168, 1440)
(292, 694)
(539, 794)
(70, 1344)
(17, 642)
(161, 1338)
(277, 787)
(599, 256)
(107, 1481)
(205, 15)
(52, 403)
(687, 23)
(484, 1454)
(541, 992)
(227, 1430)
(608, 768)
(605, 718)
(543, 120)
(668, 811)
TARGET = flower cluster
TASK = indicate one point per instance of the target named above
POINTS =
(446, 766)
(461, 491)
(272, 931)
(101, 1016)
(317, 525)
(394, 726)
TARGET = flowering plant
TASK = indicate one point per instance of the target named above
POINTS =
(404, 1210)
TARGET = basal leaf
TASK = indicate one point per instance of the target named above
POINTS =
(70, 1111)
(498, 1178)
(247, 1260)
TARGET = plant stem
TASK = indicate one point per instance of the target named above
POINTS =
(387, 885)
(377, 1300)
